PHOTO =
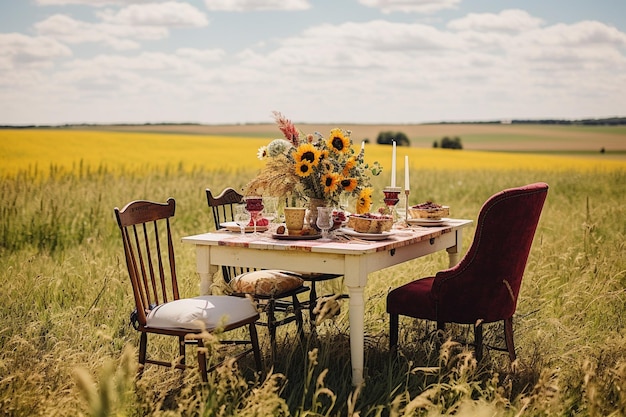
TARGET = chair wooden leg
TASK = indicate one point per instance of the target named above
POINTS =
(393, 333)
(297, 311)
(441, 333)
(202, 365)
(312, 304)
(181, 350)
(143, 343)
(508, 337)
(256, 351)
(478, 341)
(271, 326)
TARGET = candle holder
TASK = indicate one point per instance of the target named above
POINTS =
(406, 206)
(391, 199)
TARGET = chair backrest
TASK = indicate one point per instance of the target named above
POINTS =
(149, 252)
(222, 210)
(486, 283)
(222, 205)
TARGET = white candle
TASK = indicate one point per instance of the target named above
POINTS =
(406, 173)
(362, 146)
(393, 166)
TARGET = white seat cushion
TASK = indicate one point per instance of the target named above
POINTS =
(203, 312)
(267, 282)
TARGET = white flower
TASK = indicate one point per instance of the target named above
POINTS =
(262, 153)
(277, 147)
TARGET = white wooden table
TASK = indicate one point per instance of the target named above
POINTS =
(352, 260)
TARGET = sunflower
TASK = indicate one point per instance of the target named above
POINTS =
(307, 152)
(326, 165)
(364, 202)
(330, 181)
(304, 168)
(350, 164)
(338, 142)
(349, 184)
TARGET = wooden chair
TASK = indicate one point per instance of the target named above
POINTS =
(222, 209)
(149, 252)
(274, 290)
(484, 286)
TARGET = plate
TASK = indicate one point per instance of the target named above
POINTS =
(366, 236)
(427, 222)
(295, 237)
(234, 227)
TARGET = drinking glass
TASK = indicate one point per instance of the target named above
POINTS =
(325, 221)
(270, 210)
(344, 204)
(401, 210)
(391, 199)
(254, 205)
(241, 217)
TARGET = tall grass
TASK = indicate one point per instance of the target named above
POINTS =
(66, 345)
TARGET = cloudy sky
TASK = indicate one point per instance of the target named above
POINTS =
(359, 61)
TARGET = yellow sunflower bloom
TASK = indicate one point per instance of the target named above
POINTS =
(349, 184)
(326, 165)
(364, 202)
(350, 164)
(303, 168)
(338, 142)
(307, 152)
(330, 182)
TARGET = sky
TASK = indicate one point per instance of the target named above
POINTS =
(316, 61)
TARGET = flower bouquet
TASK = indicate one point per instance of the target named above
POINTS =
(311, 167)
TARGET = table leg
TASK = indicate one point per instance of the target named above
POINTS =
(454, 252)
(357, 332)
(205, 269)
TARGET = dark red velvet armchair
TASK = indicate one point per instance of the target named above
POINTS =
(484, 286)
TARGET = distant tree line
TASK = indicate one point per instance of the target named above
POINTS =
(611, 121)
(448, 143)
(387, 138)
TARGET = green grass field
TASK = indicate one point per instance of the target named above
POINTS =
(67, 348)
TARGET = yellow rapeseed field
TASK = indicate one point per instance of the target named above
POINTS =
(69, 150)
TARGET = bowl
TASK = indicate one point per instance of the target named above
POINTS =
(432, 212)
(370, 223)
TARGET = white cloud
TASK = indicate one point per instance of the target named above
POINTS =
(581, 34)
(483, 66)
(119, 37)
(201, 55)
(123, 29)
(169, 14)
(410, 6)
(19, 51)
(256, 5)
(381, 35)
(506, 21)
(94, 3)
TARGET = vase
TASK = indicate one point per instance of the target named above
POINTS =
(311, 215)
(294, 219)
